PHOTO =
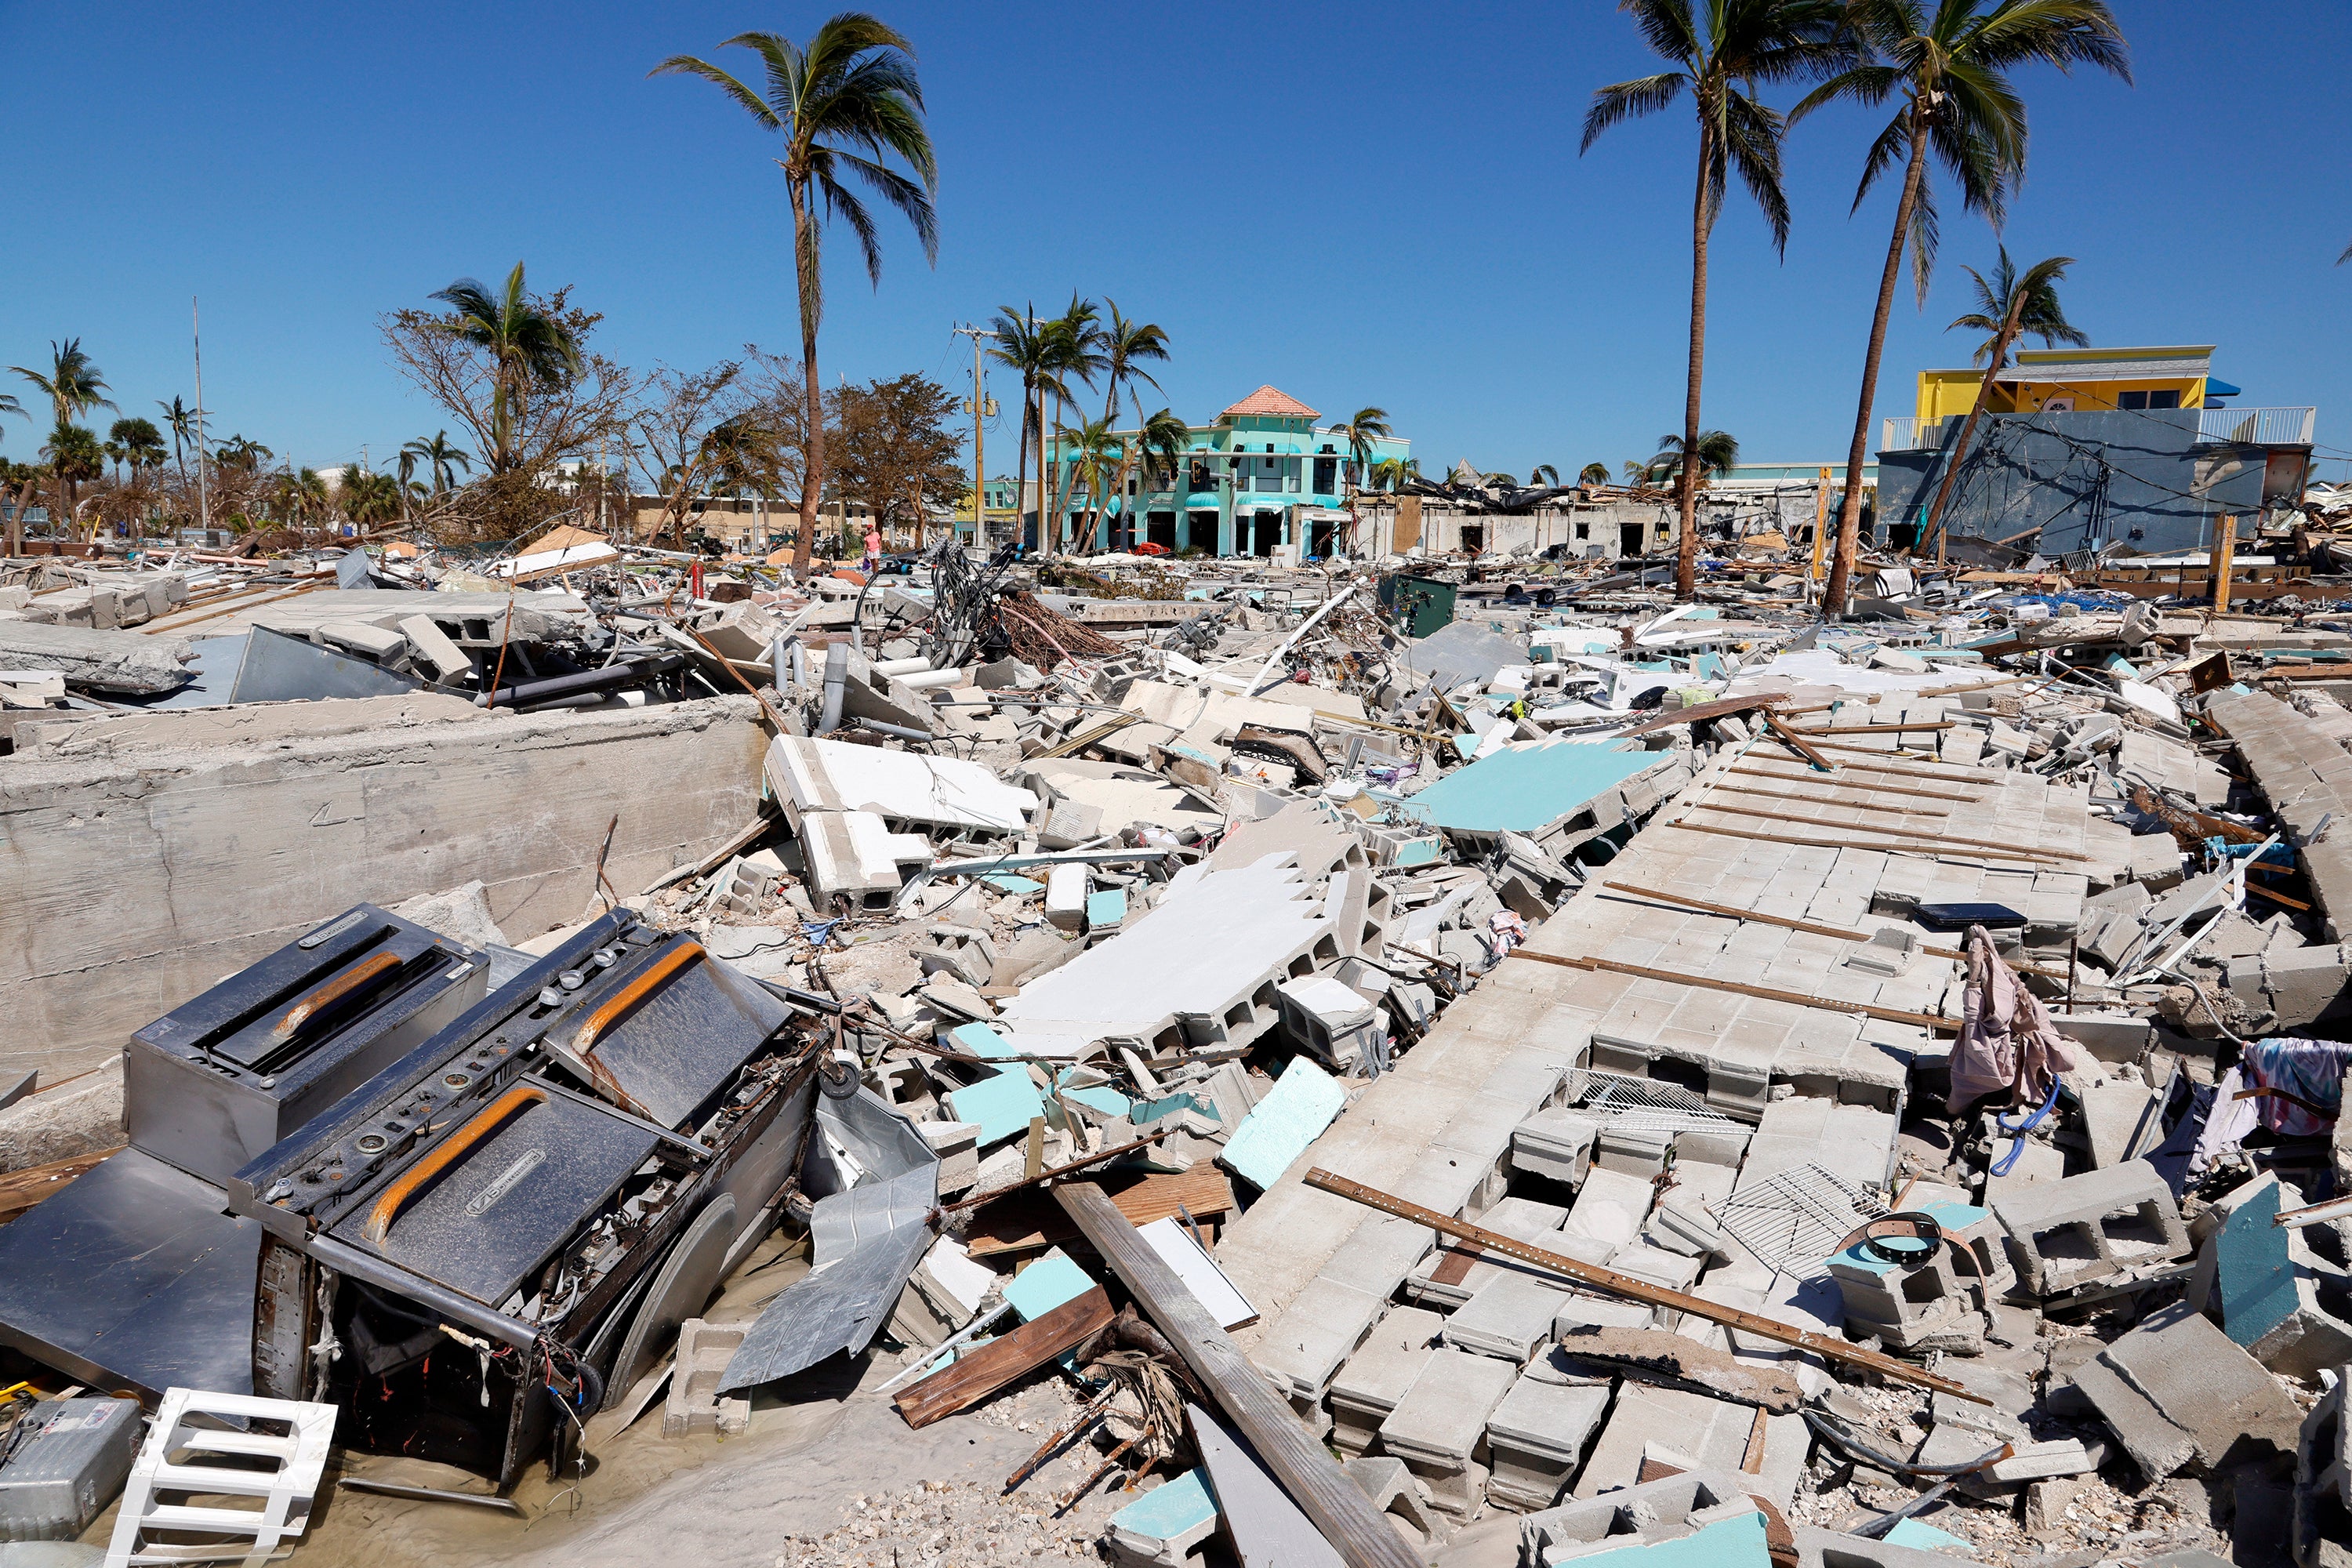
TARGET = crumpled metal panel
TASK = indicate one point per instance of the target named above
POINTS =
(864, 1243)
(279, 668)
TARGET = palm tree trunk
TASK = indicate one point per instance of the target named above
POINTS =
(1686, 545)
(812, 390)
(1834, 593)
(1020, 481)
(1976, 411)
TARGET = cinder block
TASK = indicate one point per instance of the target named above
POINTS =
(2085, 1227)
(693, 1405)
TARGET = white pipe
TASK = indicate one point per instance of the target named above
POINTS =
(930, 679)
(902, 666)
(1291, 641)
(836, 682)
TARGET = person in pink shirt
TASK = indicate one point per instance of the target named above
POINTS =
(872, 549)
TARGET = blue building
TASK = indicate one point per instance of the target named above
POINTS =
(1263, 474)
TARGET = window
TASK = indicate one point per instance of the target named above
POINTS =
(2134, 400)
(1327, 475)
(2167, 398)
(1583, 531)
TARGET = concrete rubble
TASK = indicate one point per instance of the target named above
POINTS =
(1628, 937)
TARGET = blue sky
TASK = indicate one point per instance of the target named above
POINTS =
(1373, 203)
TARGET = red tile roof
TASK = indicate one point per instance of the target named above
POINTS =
(1270, 402)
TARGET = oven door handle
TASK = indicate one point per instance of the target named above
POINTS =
(412, 1182)
(364, 976)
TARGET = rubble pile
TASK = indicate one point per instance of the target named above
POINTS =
(1446, 1066)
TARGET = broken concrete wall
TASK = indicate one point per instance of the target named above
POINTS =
(142, 858)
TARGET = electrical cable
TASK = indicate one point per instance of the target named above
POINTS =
(2000, 1167)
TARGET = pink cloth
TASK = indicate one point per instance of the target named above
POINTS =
(2008, 1046)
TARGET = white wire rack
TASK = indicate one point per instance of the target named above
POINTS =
(1794, 1221)
(1643, 1104)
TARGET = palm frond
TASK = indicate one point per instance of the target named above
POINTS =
(1629, 100)
(750, 102)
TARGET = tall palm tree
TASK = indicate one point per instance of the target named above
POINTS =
(1592, 474)
(180, 420)
(843, 105)
(1722, 50)
(529, 350)
(1074, 351)
(1021, 346)
(439, 456)
(8, 405)
(1946, 64)
(2012, 305)
(75, 457)
(1125, 346)
(1545, 472)
(72, 385)
(1363, 431)
(135, 441)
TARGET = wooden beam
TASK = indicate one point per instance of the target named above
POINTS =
(1915, 837)
(1847, 844)
(1029, 1223)
(1893, 729)
(1910, 773)
(1046, 1175)
(1937, 811)
(1876, 788)
(22, 1190)
(1361, 1533)
(1763, 993)
(967, 1381)
(1791, 739)
(1721, 708)
(1830, 1347)
(1737, 913)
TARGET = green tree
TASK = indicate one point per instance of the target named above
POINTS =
(1125, 345)
(2010, 305)
(842, 105)
(181, 421)
(242, 452)
(1544, 472)
(1592, 474)
(439, 456)
(1161, 436)
(530, 349)
(1091, 453)
(1020, 346)
(1718, 454)
(1363, 431)
(8, 405)
(75, 457)
(1074, 351)
(72, 384)
(1721, 51)
(1946, 64)
(137, 442)
(1391, 473)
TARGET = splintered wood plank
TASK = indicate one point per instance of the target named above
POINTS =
(1031, 1221)
(974, 1377)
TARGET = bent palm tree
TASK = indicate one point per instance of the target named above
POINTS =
(1092, 453)
(528, 350)
(1545, 472)
(843, 105)
(1722, 52)
(2010, 306)
(72, 385)
(438, 456)
(1947, 62)
(1592, 474)
(1125, 344)
(1161, 436)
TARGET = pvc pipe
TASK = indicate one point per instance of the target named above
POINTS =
(930, 679)
(915, 666)
(779, 663)
(836, 681)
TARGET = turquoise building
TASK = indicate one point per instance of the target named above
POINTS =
(1262, 475)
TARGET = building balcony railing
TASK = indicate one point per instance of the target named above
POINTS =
(1907, 432)
(2257, 426)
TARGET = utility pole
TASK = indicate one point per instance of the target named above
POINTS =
(196, 337)
(981, 409)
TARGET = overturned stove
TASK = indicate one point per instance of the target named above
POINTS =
(355, 1177)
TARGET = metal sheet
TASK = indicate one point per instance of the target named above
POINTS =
(280, 669)
(503, 1206)
(133, 1277)
(877, 1234)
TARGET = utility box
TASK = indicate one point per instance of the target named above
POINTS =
(66, 1460)
(1416, 606)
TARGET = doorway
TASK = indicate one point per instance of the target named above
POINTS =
(1629, 539)
(1159, 527)
(1267, 533)
(1474, 538)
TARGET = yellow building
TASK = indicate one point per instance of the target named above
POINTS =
(2079, 380)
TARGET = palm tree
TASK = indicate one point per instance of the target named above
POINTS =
(1021, 346)
(75, 457)
(1093, 453)
(1391, 473)
(851, 93)
(528, 348)
(1363, 431)
(1161, 436)
(136, 442)
(1718, 454)
(1124, 346)
(438, 456)
(1592, 474)
(8, 405)
(2012, 305)
(180, 420)
(1723, 50)
(72, 385)
(1545, 472)
(1074, 348)
(242, 452)
(1946, 63)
